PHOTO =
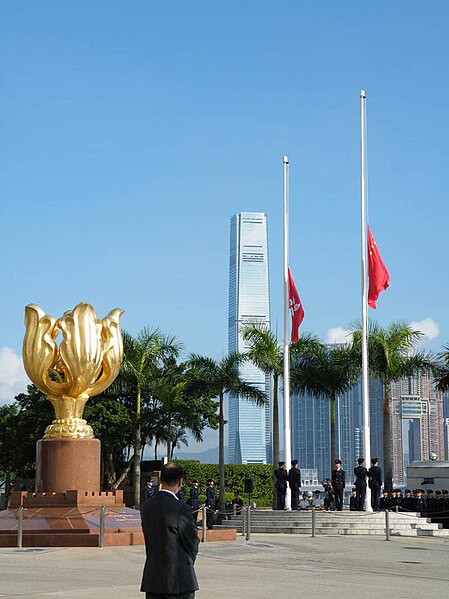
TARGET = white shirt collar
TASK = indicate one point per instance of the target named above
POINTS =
(171, 493)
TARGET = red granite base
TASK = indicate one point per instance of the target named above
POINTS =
(72, 519)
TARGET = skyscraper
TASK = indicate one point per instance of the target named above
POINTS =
(417, 422)
(249, 426)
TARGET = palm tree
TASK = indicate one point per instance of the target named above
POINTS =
(265, 352)
(391, 359)
(325, 371)
(216, 379)
(443, 370)
(141, 357)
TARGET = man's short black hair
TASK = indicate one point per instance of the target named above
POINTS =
(374, 461)
(360, 461)
(171, 473)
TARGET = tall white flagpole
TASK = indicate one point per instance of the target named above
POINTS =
(365, 379)
(287, 434)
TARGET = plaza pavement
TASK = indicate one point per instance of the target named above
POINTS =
(268, 566)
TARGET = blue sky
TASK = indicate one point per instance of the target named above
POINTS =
(132, 132)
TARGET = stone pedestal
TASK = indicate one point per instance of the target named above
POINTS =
(67, 464)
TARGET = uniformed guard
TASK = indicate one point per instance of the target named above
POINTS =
(360, 473)
(294, 481)
(354, 501)
(431, 502)
(375, 483)
(338, 484)
(194, 500)
(408, 502)
(280, 486)
(385, 501)
(444, 501)
(211, 504)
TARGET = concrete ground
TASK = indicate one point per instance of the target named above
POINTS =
(267, 566)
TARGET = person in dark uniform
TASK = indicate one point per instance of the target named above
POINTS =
(149, 490)
(194, 500)
(444, 505)
(280, 485)
(353, 501)
(421, 505)
(375, 483)
(211, 504)
(338, 484)
(237, 502)
(408, 501)
(360, 473)
(294, 481)
(431, 502)
(384, 502)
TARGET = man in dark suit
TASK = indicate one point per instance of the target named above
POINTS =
(171, 541)
(360, 473)
(294, 481)
(280, 486)
(194, 501)
(338, 484)
(211, 504)
(375, 483)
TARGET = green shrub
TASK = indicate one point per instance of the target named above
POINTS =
(235, 474)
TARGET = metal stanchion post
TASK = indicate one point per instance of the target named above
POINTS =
(313, 521)
(243, 521)
(204, 524)
(248, 524)
(235, 509)
(387, 525)
(102, 526)
(20, 528)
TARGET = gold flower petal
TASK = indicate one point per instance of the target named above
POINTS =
(81, 349)
(39, 351)
(113, 352)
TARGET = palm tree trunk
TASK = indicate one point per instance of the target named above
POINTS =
(136, 458)
(388, 458)
(156, 443)
(169, 437)
(275, 421)
(333, 431)
(275, 433)
(221, 460)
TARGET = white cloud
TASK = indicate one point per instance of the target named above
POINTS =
(13, 379)
(337, 335)
(428, 327)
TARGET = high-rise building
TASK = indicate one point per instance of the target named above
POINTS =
(416, 421)
(311, 432)
(249, 426)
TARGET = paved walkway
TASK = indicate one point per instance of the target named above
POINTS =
(267, 566)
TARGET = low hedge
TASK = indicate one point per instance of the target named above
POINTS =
(235, 474)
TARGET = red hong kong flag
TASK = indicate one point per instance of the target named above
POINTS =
(379, 278)
(295, 307)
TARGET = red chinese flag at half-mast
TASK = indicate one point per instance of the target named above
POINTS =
(379, 278)
(296, 308)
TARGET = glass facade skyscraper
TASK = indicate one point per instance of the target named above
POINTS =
(249, 426)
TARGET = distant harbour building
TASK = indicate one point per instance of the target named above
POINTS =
(417, 422)
(311, 432)
(249, 426)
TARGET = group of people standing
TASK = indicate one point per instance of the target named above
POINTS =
(292, 478)
(193, 500)
(333, 487)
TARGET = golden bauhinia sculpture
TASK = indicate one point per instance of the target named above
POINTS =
(85, 364)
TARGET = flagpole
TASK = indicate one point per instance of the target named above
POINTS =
(287, 434)
(365, 379)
